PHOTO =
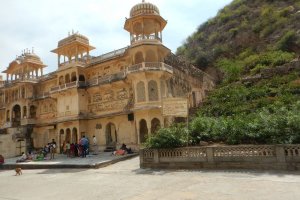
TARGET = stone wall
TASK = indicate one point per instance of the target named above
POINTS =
(270, 157)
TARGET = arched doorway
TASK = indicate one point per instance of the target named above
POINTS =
(67, 78)
(16, 116)
(81, 78)
(74, 135)
(32, 112)
(68, 135)
(143, 131)
(138, 57)
(61, 140)
(24, 111)
(73, 77)
(155, 125)
(111, 135)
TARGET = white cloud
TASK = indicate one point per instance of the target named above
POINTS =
(41, 24)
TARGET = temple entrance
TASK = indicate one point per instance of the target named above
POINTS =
(111, 135)
(143, 131)
(16, 119)
(74, 135)
(68, 135)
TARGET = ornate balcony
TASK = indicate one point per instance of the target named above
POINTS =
(145, 38)
(26, 121)
(150, 66)
(29, 79)
(107, 79)
(43, 95)
(73, 62)
(75, 84)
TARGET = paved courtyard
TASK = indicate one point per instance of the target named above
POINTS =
(125, 180)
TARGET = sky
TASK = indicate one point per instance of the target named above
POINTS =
(42, 23)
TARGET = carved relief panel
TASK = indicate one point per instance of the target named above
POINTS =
(111, 100)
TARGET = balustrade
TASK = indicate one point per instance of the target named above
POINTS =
(67, 86)
(250, 156)
(141, 38)
(26, 121)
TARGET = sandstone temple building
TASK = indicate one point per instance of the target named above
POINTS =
(118, 96)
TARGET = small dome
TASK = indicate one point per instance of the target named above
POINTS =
(72, 38)
(144, 8)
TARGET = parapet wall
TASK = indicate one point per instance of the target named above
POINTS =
(262, 157)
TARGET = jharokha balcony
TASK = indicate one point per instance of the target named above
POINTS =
(75, 84)
(150, 66)
(145, 38)
(141, 67)
(26, 121)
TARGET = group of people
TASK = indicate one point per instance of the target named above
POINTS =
(123, 150)
(46, 153)
(80, 149)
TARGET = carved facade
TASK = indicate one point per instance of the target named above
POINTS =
(116, 96)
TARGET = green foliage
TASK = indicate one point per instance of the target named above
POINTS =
(172, 137)
(287, 40)
(273, 125)
(242, 40)
(258, 26)
(231, 68)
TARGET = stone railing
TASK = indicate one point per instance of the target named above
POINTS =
(42, 95)
(150, 66)
(108, 55)
(67, 86)
(80, 61)
(26, 121)
(107, 79)
(145, 38)
(278, 157)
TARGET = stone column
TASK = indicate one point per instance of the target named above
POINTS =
(58, 60)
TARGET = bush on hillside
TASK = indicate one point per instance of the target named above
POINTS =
(172, 137)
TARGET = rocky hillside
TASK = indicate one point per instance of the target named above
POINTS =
(252, 47)
(244, 28)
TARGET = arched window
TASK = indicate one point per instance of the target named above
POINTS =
(73, 77)
(152, 91)
(67, 78)
(32, 111)
(138, 57)
(81, 78)
(61, 80)
(68, 135)
(74, 135)
(140, 87)
(7, 116)
(111, 134)
(24, 111)
(155, 125)
(143, 131)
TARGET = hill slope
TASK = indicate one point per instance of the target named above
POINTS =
(255, 46)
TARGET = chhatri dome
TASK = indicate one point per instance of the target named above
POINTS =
(144, 8)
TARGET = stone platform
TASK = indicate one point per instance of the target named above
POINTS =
(62, 161)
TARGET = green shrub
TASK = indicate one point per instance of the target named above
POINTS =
(172, 137)
(287, 40)
(275, 124)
